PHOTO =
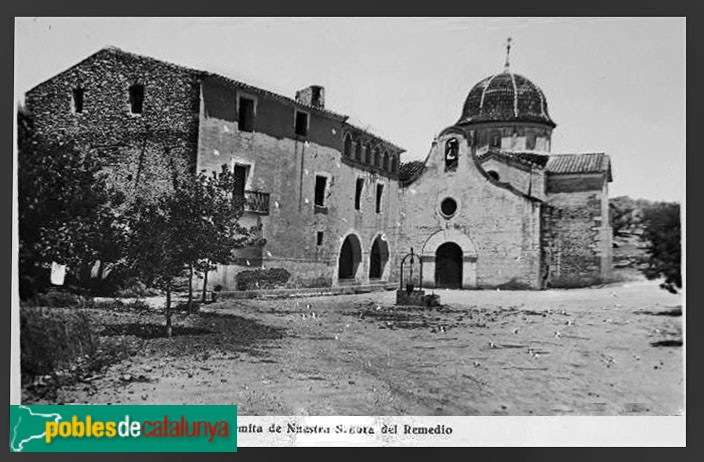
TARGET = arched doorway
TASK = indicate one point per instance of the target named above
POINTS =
(350, 257)
(378, 258)
(448, 266)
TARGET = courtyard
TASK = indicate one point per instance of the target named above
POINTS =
(610, 350)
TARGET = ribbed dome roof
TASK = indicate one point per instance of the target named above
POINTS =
(505, 97)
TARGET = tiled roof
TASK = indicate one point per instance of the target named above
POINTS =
(505, 97)
(409, 170)
(527, 158)
(596, 162)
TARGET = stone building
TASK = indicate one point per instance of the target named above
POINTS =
(324, 190)
(490, 206)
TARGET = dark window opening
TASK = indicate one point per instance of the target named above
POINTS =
(347, 151)
(368, 156)
(136, 98)
(301, 123)
(493, 174)
(319, 238)
(240, 180)
(320, 185)
(452, 148)
(358, 194)
(358, 151)
(379, 195)
(77, 100)
(448, 207)
(245, 116)
(495, 140)
(393, 164)
(377, 158)
(385, 165)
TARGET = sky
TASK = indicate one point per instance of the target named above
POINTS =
(614, 85)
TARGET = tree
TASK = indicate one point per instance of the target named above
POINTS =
(67, 213)
(662, 232)
(174, 233)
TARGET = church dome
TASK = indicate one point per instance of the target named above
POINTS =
(505, 97)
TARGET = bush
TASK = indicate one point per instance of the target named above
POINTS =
(53, 338)
(56, 299)
(271, 278)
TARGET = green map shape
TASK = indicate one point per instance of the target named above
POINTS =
(27, 426)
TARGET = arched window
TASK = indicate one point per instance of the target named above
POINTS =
(348, 146)
(377, 158)
(452, 148)
(385, 165)
(368, 154)
(358, 150)
(393, 164)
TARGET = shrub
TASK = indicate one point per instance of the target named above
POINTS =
(53, 338)
(271, 278)
(56, 299)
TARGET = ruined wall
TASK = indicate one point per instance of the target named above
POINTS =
(129, 143)
(579, 250)
(503, 225)
(285, 166)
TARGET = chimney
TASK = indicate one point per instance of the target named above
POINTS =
(312, 96)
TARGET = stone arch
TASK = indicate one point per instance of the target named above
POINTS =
(469, 257)
(349, 258)
(358, 150)
(379, 258)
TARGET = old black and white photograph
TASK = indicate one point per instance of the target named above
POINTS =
(352, 216)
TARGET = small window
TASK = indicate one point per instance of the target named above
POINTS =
(358, 194)
(379, 195)
(377, 158)
(78, 100)
(448, 207)
(393, 164)
(245, 116)
(320, 186)
(358, 151)
(319, 238)
(493, 174)
(136, 98)
(368, 154)
(385, 164)
(347, 150)
(301, 123)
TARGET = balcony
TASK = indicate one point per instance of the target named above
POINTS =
(257, 202)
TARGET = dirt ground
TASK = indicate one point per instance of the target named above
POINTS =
(559, 352)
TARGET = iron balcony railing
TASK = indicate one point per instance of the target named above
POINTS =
(257, 202)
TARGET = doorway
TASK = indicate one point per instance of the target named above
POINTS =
(448, 266)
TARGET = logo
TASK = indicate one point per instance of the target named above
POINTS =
(112, 428)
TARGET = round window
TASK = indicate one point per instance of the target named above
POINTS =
(448, 207)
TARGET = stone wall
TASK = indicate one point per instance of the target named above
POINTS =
(501, 224)
(138, 148)
(578, 252)
(285, 166)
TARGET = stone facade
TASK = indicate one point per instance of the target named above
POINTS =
(495, 225)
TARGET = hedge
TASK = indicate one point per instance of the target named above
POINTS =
(271, 278)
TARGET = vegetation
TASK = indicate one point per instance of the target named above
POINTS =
(661, 223)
